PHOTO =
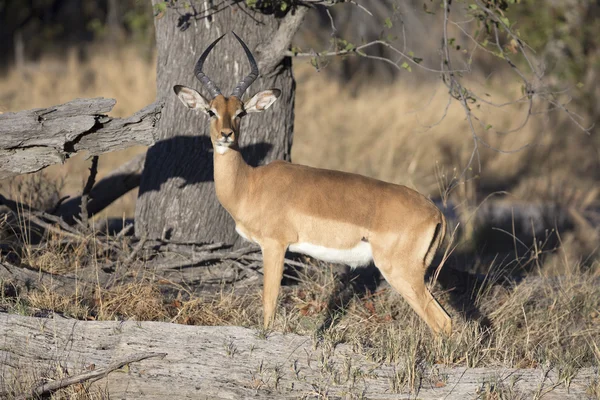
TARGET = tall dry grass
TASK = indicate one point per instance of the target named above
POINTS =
(409, 133)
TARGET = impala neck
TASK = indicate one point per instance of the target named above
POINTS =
(231, 179)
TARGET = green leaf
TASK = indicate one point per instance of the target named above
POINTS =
(505, 21)
(160, 7)
(388, 23)
(314, 62)
(406, 66)
(488, 127)
(580, 85)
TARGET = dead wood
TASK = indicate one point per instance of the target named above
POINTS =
(34, 139)
(27, 278)
(49, 388)
(85, 196)
(233, 362)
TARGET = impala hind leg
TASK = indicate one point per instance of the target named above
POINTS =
(410, 283)
(273, 257)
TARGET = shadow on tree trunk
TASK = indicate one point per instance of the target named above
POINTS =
(194, 162)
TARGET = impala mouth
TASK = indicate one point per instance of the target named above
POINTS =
(223, 145)
(224, 142)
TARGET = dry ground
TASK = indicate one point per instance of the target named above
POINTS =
(391, 133)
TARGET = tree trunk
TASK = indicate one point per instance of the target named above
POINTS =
(177, 199)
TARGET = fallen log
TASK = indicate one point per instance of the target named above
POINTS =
(23, 277)
(234, 362)
(34, 139)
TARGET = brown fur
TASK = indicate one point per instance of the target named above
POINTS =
(281, 204)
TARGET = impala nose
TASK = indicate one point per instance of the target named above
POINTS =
(226, 134)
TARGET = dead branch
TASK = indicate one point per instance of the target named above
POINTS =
(134, 252)
(272, 54)
(34, 139)
(49, 388)
(25, 277)
(83, 215)
(78, 237)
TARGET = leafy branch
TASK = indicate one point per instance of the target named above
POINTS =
(487, 29)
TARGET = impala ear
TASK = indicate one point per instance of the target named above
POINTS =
(191, 98)
(262, 100)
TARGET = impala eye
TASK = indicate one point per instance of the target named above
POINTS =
(211, 113)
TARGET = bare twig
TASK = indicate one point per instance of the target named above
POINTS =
(69, 234)
(359, 51)
(249, 269)
(126, 229)
(57, 220)
(48, 388)
(135, 251)
(83, 215)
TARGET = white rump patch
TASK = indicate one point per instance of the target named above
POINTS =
(357, 256)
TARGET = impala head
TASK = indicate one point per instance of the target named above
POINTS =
(225, 112)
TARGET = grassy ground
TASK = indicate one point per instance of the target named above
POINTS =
(552, 318)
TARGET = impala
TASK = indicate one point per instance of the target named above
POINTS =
(330, 215)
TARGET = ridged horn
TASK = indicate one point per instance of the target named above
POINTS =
(208, 84)
(248, 80)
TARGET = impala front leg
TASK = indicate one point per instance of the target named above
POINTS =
(273, 256)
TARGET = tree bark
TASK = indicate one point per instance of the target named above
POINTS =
(228, 362)
(177, 199)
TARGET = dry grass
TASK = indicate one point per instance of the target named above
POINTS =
(541, 321)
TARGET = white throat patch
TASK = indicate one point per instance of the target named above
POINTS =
(221, 149)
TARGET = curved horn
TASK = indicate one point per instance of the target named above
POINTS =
(210, 86)
(247, 81)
